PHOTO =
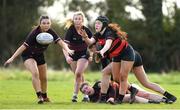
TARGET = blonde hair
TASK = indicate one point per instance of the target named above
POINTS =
(117, 29)
(69, 22)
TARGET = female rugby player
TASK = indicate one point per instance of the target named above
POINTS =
(94, 93)
(33, 57)
(137, 69)
(79, 60)
(116, 45)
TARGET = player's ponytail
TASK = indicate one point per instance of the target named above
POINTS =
(68, 23)
(117, 29)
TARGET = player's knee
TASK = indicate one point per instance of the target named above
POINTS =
(124, 77)
(116, 79)
(44, 79)
(104, 73)
(78, 75)
(35, 75)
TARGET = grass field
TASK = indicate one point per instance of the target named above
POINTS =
(16, 91)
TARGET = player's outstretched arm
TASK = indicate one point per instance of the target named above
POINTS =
(17, 53)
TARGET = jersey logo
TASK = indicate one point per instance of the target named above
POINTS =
(74, 38)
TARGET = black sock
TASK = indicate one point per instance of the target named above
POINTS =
(44, 95)
(120, 97)
(131, 89)
(38, 94)
(167, 94)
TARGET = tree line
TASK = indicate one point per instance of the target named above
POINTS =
(156, 36)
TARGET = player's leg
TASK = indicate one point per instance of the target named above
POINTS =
(31, 65)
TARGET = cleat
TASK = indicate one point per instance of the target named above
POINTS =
(111, 102)
(85, 99)
(172, 98)
(118, 102)
(74, 99)
(40, 100)
(46, 99)
(133, 95)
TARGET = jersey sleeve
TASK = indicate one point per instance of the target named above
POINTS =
(30, 38)
(96, 35)
(68, 35)
(89, 33)
(97, 85)
(109, 34)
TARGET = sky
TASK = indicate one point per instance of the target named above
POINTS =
(55, 11)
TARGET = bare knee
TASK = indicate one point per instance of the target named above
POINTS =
(104, 73)
(116, 79)
(35, 75)
(78, 75)
(44, 79)
(124, 77)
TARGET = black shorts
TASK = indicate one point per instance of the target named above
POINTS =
(138, 60)
(105, 62)
(38, 58)
(80, 54)
(127, 55)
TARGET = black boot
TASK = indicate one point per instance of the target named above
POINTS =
(170, 96)
(119, 99)
(45, 98)
(133, 91)
(166, 100)
(40, 98)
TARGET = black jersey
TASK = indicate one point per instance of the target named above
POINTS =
(97, 91)
(74, 40)
(118, 45)
(33, 47)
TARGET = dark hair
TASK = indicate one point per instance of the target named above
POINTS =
(82, 85)
(43, 17)
(115, 27)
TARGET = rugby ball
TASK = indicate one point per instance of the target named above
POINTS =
(44, 38)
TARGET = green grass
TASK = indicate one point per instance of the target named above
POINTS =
(16, 91)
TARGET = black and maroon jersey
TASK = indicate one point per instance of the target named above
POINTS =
(33, 47)
(117, 45)
(97, 91)
(74, 40)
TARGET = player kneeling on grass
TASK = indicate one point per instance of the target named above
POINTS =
(141, 97)
(32, 54)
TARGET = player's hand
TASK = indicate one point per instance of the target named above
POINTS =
(83, 33)
(70, 52)
(99, 54)
(93, 48)
(102, 54)
(9, 61)
(97, 58)
(90, 59)
(69, 60)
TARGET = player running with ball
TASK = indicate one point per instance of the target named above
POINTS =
(33, 57)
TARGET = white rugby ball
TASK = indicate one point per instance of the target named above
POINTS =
(44, 38)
